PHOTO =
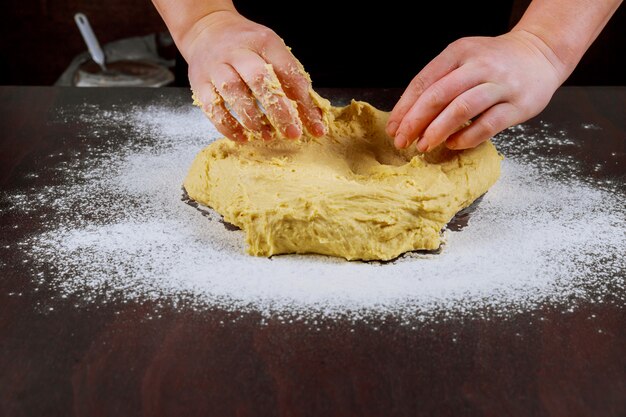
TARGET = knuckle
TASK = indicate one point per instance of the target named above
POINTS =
(533, 103)
(251, 117)
(278, 113)
(495, 68)
(499, 69)
(418, 84)
(514, 88)
(230, 84)
(458, 44)
(523, 105)
(461, 45)
(410, 127)
(250, 125)
(208, 111)
(211, 104)
(463, 108)
(314, 112)
(230, 124)
(258, 77)
(484, 63)
(490, 126)
(216, 114)
(435, 97)
(289, 112)
(265, 35)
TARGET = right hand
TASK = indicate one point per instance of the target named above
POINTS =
(228, 57)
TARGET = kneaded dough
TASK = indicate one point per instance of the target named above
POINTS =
(349, 194)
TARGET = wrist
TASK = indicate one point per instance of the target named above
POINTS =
(561, 59)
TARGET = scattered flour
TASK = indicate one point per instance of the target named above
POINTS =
(117, 226)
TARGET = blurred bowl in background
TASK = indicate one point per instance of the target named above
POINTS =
(123, 73)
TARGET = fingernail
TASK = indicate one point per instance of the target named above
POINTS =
(293, 131)
(392, 127)
(451, 144)
(319, 129)
(422, 145)
(400, 141)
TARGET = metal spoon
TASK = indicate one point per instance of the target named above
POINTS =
(96, 52)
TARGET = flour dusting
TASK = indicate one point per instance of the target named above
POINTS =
(542, 234)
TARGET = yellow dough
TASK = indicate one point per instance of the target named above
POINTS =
(349, 194)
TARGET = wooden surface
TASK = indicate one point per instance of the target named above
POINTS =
(63, 357)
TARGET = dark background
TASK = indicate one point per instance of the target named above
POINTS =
(388, 45)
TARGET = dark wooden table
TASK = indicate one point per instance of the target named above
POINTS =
(117, 359)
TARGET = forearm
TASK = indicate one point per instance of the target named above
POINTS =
(566, 27)
(181, 16)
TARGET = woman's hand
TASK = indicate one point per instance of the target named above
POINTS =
(233, 63)
(496, 82)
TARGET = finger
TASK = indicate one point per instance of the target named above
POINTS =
(237, 94)
(490, 123)
(441, 65)
(461, 110)
(265, 86)
(297, 85)
(433, 101)
(215, 109)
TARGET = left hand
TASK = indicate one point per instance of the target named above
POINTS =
(498, 82)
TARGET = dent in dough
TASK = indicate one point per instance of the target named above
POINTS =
(349, 194)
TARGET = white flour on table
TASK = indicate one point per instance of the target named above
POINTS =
(121, 230)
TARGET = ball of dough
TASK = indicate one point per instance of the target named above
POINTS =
(349, 194)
